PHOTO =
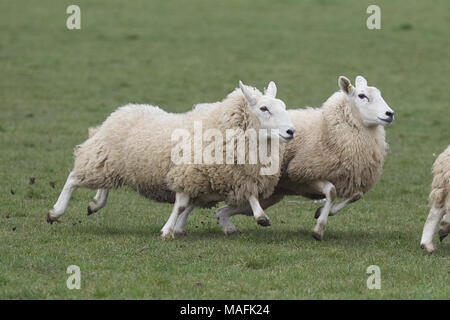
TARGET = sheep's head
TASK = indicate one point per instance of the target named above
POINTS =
(368, 101)
(270, 111)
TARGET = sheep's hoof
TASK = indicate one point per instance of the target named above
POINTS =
(50, 219)
(317, 236)
(318, 212)
(229, 230)
(227, 226)
(263, 221)
(442, 234)
(167, 234)
(429, 247)
(89, 210)
(179, 232)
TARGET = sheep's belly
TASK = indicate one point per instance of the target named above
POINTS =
(344, 189)
(157, 193)
(208, 200)
(163, 194)
(288, 187)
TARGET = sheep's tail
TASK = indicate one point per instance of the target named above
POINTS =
(92, 131)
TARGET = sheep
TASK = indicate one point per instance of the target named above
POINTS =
(338, 151)
(133, 147)
(440, 202)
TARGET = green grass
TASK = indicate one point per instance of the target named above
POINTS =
(55, 83)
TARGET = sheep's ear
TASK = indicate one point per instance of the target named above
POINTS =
(345, 85)
(360, 82)
(271, 89)
(247, 94)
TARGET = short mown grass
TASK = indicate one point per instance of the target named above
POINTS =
(56, 83)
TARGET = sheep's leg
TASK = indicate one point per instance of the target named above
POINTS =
(258, 212)
(181, 221)
(224, 214)
(99, 201)
(335, 208)
(63, 200)
(329, 191)
(433, 219)
(182, 201)
(445, 226)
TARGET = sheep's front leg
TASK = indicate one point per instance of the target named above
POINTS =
(327, 189)
(99, 201)
(225, 213)
(258, 212)
(433, 219)
(182, 201)
(182, 218)
(63, 200)
(445, 226)
(335, 208)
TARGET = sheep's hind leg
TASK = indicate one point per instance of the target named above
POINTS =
(99, 201)
(63, 200)
(181, 221)
(182, 201)
(329, 191)
(445, 226)
(224, 214)
(433, 219)
(335, 208)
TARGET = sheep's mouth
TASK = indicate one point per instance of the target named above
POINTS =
(285, 139)
(386, 120)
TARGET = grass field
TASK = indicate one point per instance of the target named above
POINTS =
(56, 83)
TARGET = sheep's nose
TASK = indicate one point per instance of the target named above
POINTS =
(290, 132)
(390, 114)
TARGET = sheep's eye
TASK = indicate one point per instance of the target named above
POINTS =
(363, 96)
(264, 109)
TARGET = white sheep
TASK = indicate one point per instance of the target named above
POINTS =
(440, 202)
(338, 151)
(133, 147)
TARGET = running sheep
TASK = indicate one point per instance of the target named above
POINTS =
(338, 152)
(440, 202)
(133, 147)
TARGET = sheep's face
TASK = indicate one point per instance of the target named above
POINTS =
(270, 111)
(368, 101)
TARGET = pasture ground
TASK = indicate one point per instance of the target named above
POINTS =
(56, 83)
